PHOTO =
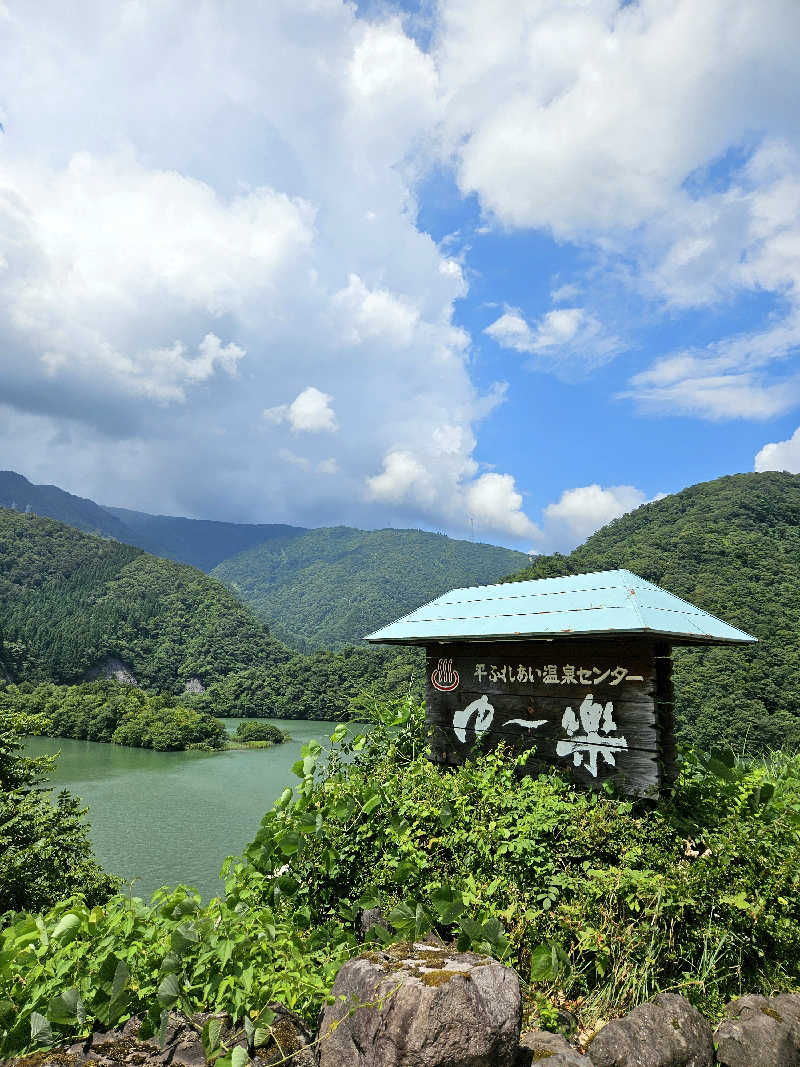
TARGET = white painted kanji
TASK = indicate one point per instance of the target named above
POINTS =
(597, 721)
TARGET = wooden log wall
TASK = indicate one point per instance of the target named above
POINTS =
(598, 709)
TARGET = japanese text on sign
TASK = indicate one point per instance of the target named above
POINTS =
(551, 674)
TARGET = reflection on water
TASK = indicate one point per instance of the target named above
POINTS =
(159, 818)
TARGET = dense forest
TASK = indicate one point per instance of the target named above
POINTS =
(69, 599)
(108, 711)
(321, 685)
(731, 546)
(330, 587)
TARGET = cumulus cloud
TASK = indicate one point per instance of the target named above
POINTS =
(236, 224)
(780, 455)
(581, 117)
(648, 132)
(309, 412)
(496, 504)
(581, 511)
(490, 501)
(565, 334)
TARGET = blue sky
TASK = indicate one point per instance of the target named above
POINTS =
(506, 270)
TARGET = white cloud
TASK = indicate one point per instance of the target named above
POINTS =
(489, 502)
(581, 511)
(651, 133)
(217, 235)
(780, 455)
(309, 412)
(743, 376)
(496, 504)
(569, 333)
(583, 117)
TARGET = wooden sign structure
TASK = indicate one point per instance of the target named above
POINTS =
(593, 698)
(595, 708)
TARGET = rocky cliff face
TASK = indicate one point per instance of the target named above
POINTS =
(113, 669)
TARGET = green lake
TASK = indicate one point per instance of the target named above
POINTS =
(160, 818)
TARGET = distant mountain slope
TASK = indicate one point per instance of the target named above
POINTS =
(202, 543)
(69, 600)
(732, 546)
(54, 503)
(329, 587)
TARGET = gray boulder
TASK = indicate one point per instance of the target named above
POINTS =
(421, 1005)
(760, 1032)
(665, 1032)
(538, 1046)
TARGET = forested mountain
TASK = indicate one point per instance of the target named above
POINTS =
(202, 543)
(69, 599)
(48, 500)
(329, 587)
(731, 546)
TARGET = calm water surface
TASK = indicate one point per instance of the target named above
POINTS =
(159, 818)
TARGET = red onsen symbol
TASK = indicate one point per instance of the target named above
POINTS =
(445, 678)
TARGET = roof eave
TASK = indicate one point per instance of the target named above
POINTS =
(672, 638)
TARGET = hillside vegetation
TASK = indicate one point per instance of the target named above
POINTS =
(330, 587)
(108, 711)
(70, 599)
(598, 903)
(731, 546)
(202, 543)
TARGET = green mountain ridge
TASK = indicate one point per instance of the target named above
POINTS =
(69, 600)
(202, 543)
(731, 546)
(328, 588)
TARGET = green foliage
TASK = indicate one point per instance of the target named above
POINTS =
(44, 848)
(588, 894)
(322, 685)
(259, 731)
(329, 587)
(731, 546)
(79, 966)
(605, 899)
(108, 711)
(68, 600)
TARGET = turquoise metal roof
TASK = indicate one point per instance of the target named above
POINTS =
(603, 603)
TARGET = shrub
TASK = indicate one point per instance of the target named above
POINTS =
(610, 899)
(259, 731)
(45, 851)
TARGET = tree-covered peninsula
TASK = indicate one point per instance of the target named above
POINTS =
(108, 711)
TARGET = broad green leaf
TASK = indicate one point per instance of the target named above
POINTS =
(448, 904)
(67, 928)
(239, 1057)
(118, 1000)
(372, 804)
(66, 1007)
(339, 733)
(41, 1031)
(289, 842)
(548, 961)
(170, 964)
(261, 1036)
(445, 816)
(168, 991)
(210, 1036)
